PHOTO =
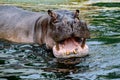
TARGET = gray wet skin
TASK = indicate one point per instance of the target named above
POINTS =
(50, 28)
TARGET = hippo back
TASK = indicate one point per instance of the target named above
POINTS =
(17, 24)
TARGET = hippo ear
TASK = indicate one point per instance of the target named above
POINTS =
(76, 14)
(52, 14)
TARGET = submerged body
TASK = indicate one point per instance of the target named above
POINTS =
(60, 30)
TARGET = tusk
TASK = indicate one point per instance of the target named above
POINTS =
(74, 51)
(57, 47)
(83, 43)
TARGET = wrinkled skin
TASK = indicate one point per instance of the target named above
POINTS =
(60, 30)
(69, 34)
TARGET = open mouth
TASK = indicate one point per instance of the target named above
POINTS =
(70, 47)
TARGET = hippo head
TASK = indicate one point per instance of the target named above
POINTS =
(64, 33)
(68, 33)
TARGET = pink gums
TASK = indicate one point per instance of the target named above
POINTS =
(68, 49)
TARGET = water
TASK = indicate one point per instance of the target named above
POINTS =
(34, 62)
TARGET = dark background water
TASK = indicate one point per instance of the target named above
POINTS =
(34, 62)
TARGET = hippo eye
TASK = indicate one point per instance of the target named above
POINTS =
(56, 21)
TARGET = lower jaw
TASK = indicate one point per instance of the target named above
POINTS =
(80, 52)
(71, 58)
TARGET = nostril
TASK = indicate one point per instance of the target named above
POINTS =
(74, 22)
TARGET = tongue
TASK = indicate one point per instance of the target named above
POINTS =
(69, 45)
(70, 48)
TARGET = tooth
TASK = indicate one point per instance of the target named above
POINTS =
(67, 52)
(57, 47)
(83, 43)
(74, 51)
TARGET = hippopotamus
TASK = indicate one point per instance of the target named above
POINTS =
(61, 30)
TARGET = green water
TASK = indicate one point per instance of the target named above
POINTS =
(34, 62)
